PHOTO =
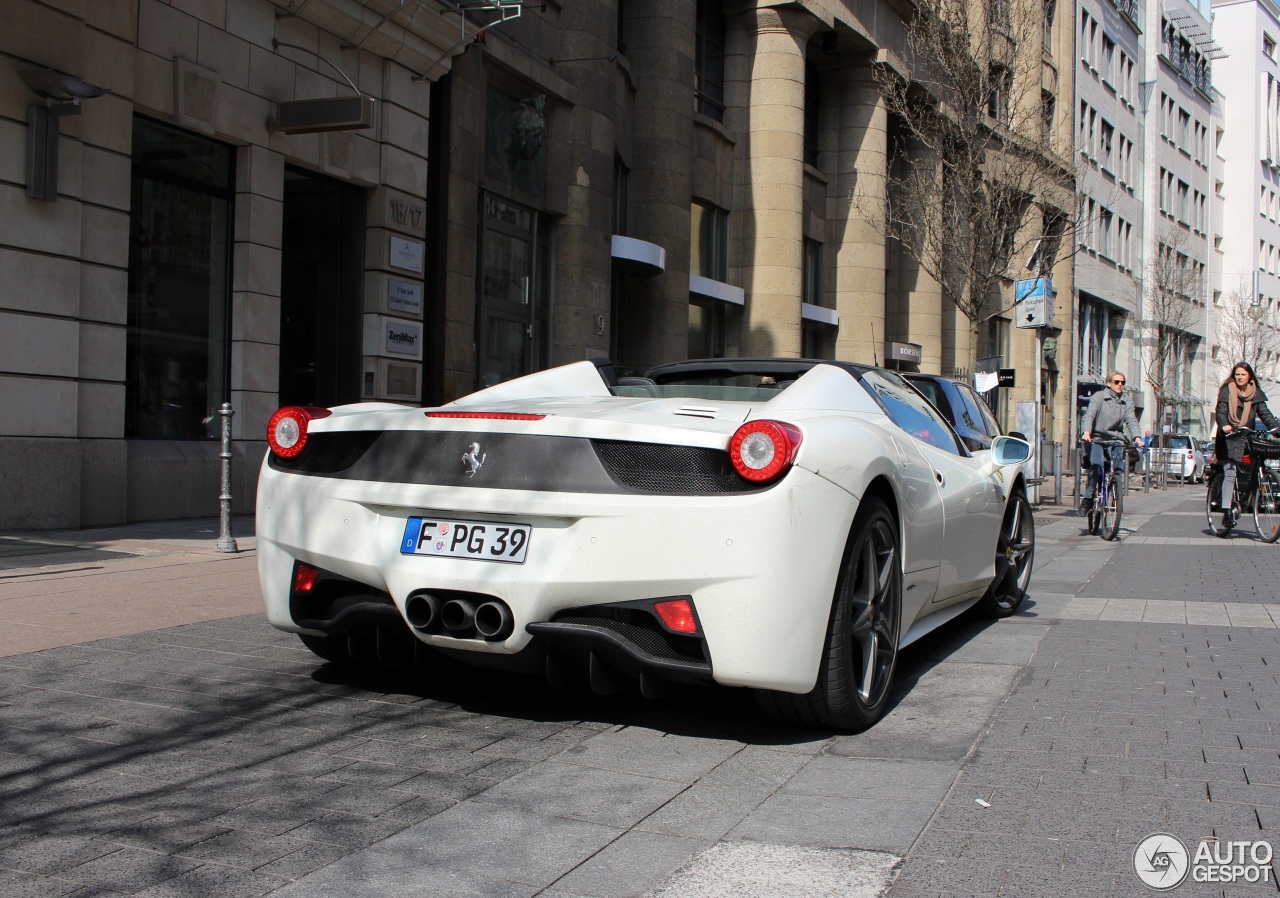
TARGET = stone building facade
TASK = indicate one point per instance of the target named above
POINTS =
(190, 253)
(707, 174)
(642, 180)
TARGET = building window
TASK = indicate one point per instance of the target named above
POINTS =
(708, 258)
(709, 249)
(999, 79)
(709, 60)
(1050, 12)
(812, 112)
(179, 298)
(1269, 46)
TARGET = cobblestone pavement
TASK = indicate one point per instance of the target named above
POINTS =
(1117, 730)
(220, 758)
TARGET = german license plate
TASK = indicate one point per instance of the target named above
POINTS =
(481, 540)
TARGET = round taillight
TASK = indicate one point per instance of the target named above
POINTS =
(763, 450)
(287, 429)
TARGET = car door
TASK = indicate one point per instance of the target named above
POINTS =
(971, 501)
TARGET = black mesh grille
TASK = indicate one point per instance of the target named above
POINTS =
(328, 453)
(642, 630)
(671, 470)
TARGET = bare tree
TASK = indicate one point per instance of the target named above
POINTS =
(1173, 281)
(976, 186)
(1245, 334)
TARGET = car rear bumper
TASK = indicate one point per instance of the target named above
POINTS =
(760, 568)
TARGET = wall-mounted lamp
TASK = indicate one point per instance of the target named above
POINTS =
(62, 95)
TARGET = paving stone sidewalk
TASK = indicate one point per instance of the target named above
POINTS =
(1118, 730)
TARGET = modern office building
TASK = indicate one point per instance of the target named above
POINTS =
(1179, 190)
(1247, 298)
(498, 187)
(1111, 118)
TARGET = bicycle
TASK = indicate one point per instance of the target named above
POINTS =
(1257, 489)
(1108, 494)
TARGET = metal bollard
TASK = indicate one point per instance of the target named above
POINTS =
(1057, 473)
(226, 542)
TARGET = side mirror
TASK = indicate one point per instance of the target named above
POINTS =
(1010, 450)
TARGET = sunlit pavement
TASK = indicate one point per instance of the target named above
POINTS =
(168, 743)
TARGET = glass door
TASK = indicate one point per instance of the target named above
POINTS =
(514, 292)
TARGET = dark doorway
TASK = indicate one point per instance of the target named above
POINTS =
(321, 290)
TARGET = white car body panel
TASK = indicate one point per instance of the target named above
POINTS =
(760, 566)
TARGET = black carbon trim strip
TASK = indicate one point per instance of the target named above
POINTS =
(514, 461)
(509, 461)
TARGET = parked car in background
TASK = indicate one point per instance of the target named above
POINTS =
(961, 405)
(1183, 456)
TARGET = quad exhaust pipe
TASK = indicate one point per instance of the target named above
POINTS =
(423, 611)
(494, 621)
(459, 617)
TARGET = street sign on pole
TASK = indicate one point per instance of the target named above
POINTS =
(1033, 306)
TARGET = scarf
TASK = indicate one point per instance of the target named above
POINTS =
(1237, 396)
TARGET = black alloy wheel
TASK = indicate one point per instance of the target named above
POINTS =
(1015, 555)
(856, 671)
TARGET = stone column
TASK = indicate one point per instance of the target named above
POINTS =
(255, 290)
(860, 178)
(660, 47)
(919, 300)
(583, 245)
(773, 189)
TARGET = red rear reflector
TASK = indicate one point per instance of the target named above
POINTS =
(678, 615)
(304, 578)
(1246, 460)
(493, 416)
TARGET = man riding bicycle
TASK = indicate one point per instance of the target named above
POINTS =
(1109, 410)
(1241, 403)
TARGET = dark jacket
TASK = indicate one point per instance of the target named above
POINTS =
(1235, 448)
(1110, 412)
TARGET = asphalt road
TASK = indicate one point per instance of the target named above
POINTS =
(1135, 693)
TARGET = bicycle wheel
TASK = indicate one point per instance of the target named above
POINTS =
(1113, 508)
(1266, 506)
(1214, 517)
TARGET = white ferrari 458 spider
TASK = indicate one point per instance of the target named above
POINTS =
(785, 525)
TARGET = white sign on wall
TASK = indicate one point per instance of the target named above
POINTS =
(404, 296)
(406, 254)
(386, 336)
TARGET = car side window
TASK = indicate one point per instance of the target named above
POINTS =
(911, 411)
(974, 417)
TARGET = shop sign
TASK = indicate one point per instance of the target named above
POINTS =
(903, 352)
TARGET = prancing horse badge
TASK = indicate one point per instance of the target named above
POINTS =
(472, 459)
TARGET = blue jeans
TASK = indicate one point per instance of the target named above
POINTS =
(1096, 461)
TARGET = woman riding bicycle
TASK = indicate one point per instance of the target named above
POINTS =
(1109, 410)
(1240, 403)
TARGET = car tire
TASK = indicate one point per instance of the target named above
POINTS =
(855, 675)
(1015, 555)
